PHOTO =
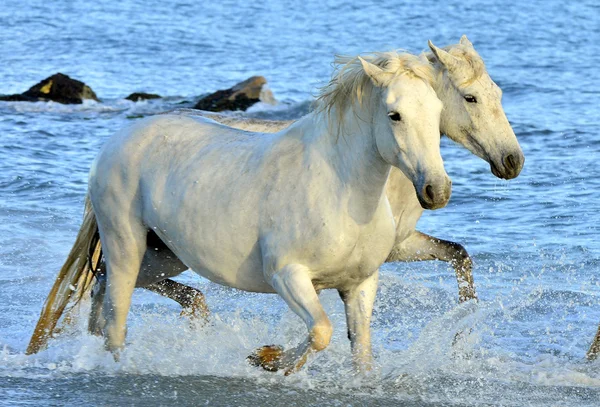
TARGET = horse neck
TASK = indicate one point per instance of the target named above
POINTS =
(351, 151)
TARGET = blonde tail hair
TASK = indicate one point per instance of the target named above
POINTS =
(73, 281)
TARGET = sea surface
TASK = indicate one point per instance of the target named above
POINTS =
(534, 239)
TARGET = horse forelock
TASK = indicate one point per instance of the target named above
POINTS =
(472, 67)
(350, 85)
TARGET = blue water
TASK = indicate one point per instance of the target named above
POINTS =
(533, 239)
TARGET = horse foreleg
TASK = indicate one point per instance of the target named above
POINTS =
(358, 302)
(191, 299)
(594, 351)
(293, 283)
(419, 246)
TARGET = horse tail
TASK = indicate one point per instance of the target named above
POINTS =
(73, 281)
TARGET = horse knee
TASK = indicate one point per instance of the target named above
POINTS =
(320, 335)
(460, 254)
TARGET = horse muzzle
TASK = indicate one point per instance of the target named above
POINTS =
(435, 195)
(509, 166)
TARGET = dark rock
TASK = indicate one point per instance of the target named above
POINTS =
(58, 88)
(240, 97)
(137, 96)
(17, 98)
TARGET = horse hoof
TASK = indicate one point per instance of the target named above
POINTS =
(267, 357)
(197, 310)
(194, 314)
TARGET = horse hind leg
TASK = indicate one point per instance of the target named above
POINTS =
(96, 320)
(293, 283)
(158, 265)
(124, 243)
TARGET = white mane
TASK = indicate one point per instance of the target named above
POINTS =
(350, 84)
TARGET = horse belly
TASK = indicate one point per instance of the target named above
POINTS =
(244, 279)
(223, 255)
(207, 217)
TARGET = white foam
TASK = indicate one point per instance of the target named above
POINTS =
(160, 342)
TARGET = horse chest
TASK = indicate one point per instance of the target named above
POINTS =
(354, 263)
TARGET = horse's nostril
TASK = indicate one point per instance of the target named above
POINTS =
(510, 162)
(429, 193)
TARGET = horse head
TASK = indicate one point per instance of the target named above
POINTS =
(406, 126)
(473, 114)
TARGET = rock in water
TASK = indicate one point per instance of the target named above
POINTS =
(58, 88)
(240, 97)
(137, 96)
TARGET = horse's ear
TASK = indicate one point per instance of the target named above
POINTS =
(465, 41)
(378, 76)
(449, 61)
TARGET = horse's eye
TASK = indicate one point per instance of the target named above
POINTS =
(470, 98)
(395, 116)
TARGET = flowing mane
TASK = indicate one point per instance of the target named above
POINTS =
(350, 84)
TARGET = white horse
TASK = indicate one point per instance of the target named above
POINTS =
(292, 212)
(472, 116)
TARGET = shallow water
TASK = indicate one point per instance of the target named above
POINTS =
(533, 239)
